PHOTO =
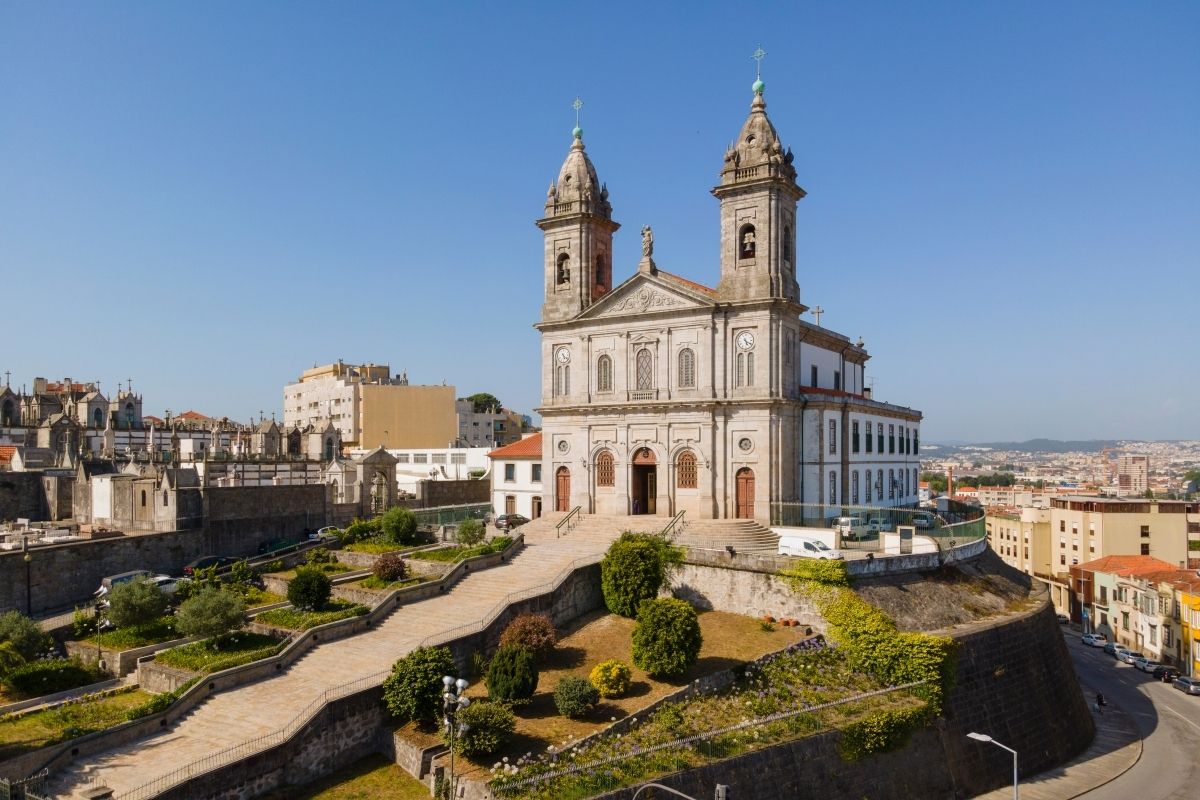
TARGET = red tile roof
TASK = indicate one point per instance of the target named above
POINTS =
(151, 420)
(7, 451)
(195, 415)
(1127, 565)
(529, 447)
(696, 287)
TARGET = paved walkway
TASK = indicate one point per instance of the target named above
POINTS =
(249, 712)
(1116, 748)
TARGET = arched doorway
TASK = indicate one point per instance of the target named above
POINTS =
(744, 493)
(562, 489)
(643, 488)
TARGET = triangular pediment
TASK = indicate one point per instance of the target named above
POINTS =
(646, 293)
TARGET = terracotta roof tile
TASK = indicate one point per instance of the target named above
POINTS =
(7, 451)
(1127, 565)
(696, 287)
(529, 447)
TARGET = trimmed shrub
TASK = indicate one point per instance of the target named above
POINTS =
(534, 632)
(575, 696)
(211, 612)
(666, 639)
(414, 689)
(611, 678)
(389, 567)
(512, 675)
(135, 603)
(26, 637)
(310, 589)
(634, 569)
(399, 525)
(488, 725)
(48, 676)
(470, 532)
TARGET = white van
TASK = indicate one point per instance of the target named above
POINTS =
(806, 547)
(851, 528)
(879, 525)
(107, 584)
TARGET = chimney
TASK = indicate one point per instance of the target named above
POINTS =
(949, 481)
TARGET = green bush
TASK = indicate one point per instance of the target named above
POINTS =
(389, 567)
(575, 696)
(269, 566)
(318, 556)
(212, 612)
(534, 632)
(666, 639)
(358, 530)
(512, 675)
(160, 702)
(487, 724)
(414, 689)
(135, 603)
(611, 678)
(223, 652)
(449, 554)
(881, 732)
(241, 575)
(634, 569)
(826, 572)
(399, 525)
(26, 637)
(83, 624)
(48, 676)
(10, 659)
(295, 619)
(310, 589)
(470, 532)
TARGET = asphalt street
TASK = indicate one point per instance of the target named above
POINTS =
(1168, 719)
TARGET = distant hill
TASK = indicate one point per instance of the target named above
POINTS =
(1047, 445)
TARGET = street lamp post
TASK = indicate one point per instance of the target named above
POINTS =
(454, 700)
(28, 587)
(983, 737)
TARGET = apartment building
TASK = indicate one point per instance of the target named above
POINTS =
(1133, 475)
(1084, 529)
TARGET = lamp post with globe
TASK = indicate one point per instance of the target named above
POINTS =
(454, 700)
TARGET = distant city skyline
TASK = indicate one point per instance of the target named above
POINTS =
(211, 200)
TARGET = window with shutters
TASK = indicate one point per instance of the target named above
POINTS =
(606, 472)
(685, 470)
(604, 373)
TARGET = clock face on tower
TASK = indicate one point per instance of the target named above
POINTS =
(563, 355)
(745, 340)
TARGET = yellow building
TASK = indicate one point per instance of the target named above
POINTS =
(1087, 528)
(1022, 538)
(1189, 622)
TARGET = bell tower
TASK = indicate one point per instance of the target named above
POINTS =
(578, 230)
(758, 195)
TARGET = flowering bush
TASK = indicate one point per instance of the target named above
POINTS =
(611, 678)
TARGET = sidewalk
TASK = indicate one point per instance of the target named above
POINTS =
(1116, 748)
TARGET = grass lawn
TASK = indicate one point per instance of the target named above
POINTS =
(257, 598)
(729, 640)
(334, 568)
(376, 585)
(161, 630)
(41, 728)
(293, 619)
(372, 778)
(228, 651)
(459, 553)
(377, 547)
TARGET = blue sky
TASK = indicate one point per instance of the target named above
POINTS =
(209, 198)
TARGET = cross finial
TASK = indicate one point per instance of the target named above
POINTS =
(817, 312)
(578, 104)
(758, 56)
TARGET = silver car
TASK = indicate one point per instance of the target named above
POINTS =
(1188, 685)
(1130, 656)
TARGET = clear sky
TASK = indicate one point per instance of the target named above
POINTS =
(211, 197)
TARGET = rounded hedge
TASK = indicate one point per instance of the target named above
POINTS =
(634, 569)
(470, 532)
(487, 726)
(310, 589)
(611, 678)
(575, 697)
(414, 689)
(399, 525)
(666, 639)
(389, 567)
(135, 603)
(24, 634)
(512, 675)
(210, 612)
(534, 632)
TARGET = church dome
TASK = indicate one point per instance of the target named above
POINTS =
(757, 153)
(577, 189)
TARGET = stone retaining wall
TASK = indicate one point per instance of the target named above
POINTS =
(737, 591)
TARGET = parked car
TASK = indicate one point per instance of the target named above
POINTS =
(1130, 656)
(1112, 648)
(1188, 685)
(507, 522)
(107, 583)
(1166, 674)
(166, 584)
(923, 520)
(1063, 619)
(1146, 664)
(852, 528)
(277, 546)
(1095, 639)
(879, 525)
(326, 535)
(222, 563)
(807, 547)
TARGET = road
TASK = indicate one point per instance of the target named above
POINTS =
(1168, 719)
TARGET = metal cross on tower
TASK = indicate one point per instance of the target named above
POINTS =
(578, 104)
(817, 312)
(6, 374)
(758, 56)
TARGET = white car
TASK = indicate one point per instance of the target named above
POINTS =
(807, 547)
(1095, 639)
(327, 535)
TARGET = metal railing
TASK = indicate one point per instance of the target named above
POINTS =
(246, 749)
(451, 515)
(574, 514)
(674, 527)
(947, 527)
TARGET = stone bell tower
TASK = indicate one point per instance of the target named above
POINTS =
(758, 195)
(578, 229)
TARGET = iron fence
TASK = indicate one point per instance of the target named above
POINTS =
(451, 515)
(31, 788)
(861, 526)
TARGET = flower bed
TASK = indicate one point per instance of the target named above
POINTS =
(459, 553)
(214, 655)
(21, 733)
(161, 630)
(293, 619)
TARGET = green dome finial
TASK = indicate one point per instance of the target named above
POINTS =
(758, 86)
(577, 132)
(759, 55)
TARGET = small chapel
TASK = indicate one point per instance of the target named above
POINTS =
(664, 394)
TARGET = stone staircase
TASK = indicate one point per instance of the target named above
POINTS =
(744, 535)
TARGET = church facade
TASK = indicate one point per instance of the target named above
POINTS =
(663, 395)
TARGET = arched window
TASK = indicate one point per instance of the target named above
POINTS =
(562, 269)
(129, 414)
(329, 449)
(7, 417)
(746, 242)
(879, 485)
(165, 497)
(604, 374)
(97, 418)
(687, 368)
(685, 470)
(787, 243)
(562, 380)
(606, 473)
(745, 369)
(601, 271)
(645, 370)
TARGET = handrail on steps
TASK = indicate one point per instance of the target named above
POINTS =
(674, 527)
(574, 514)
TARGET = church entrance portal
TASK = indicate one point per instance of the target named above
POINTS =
(644, 482)
(744, 489)
(562, 489)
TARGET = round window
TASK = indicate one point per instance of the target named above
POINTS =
(745, 444)
(563, 445)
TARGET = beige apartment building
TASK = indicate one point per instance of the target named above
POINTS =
(1133, 475)
(1022, 538)
(1084, 529)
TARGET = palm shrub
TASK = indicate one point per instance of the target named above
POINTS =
(611, 678)
(135, 603)
(24, 634)
(535, 632)
(399, 525)
(310, 589)
(634, 569)
(211, 613)
(666, 639)
(414, 689)
(575, 696)
(10, 659)
(389, 567)
(512, 675)
(488, 725)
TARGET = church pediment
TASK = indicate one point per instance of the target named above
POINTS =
(643, 294)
